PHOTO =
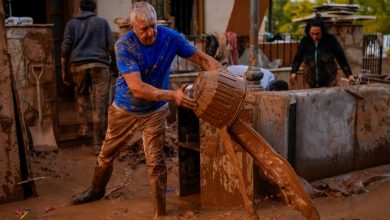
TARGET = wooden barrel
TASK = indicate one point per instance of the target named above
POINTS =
(220, 96)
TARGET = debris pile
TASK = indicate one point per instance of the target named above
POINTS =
(336, 13)
(347, 184)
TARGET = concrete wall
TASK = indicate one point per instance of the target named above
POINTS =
(10, 168)
(112, 9)
(372, 128)
(324, 133)
(351, 39)
(335, 132)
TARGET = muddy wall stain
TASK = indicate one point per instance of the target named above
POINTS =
(9, 155)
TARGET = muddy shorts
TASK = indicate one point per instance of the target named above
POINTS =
(122, 126)
(94, 81)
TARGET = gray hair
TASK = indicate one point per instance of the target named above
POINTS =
(142, 10)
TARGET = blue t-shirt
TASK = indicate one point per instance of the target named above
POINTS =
(153, 62)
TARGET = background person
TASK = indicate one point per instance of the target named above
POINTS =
(278, 85)
(88, 47)
(318, 50)
(240, 70)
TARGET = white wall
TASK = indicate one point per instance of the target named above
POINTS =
(112, 9)
(217, 14)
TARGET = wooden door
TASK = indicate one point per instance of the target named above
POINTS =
(59, 12)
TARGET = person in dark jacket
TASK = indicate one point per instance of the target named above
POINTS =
(318, 50)
(89, 49)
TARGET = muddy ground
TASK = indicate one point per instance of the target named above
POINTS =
(69, 171)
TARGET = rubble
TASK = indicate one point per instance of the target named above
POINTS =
(351, 183)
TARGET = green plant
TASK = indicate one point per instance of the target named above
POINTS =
(388, 52)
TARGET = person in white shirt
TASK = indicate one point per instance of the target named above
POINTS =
(240, 70)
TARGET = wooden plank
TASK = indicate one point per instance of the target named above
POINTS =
(239, 19)
(24, 156)
(9, 152)
(336, 17)
(354, 7)
(189, 171)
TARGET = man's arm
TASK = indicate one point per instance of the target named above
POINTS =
(65, 53)
(298, 57)
(205, 61)
(111, 49)
(297, 62)
(149, 92)
(66, 78)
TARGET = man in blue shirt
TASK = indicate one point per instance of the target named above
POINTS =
(144, 56)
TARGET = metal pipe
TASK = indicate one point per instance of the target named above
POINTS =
(253, 75)
(270, 16)
(292, 133)
(9, 2)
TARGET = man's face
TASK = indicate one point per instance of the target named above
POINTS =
(315, 33)
(146, 31)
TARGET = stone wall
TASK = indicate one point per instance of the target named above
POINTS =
(351, 39)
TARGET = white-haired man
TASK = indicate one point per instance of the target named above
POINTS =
(144, 56)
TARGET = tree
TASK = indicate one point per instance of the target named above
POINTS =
(295, 9)
(379, 8)
(278, 15)
(284, 11)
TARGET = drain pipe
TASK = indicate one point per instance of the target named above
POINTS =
(253, 75)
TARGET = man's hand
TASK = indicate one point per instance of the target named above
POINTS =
(65, 77)
(293, 78)
(351, 79)
(205, 61)
(146, 91)
(64, 73)
(182, 100)
(222, 69)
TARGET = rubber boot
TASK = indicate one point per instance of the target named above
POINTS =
(96, 149)
(98, 187)
(83, 130)
(98, 137)
(158, 197)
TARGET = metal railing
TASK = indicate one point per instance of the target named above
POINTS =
(283, 48)
(372, 52)
(181, 65)
(280, 47)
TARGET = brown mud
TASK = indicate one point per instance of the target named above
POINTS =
(224, 92)
(275, 167)
(70, 171)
